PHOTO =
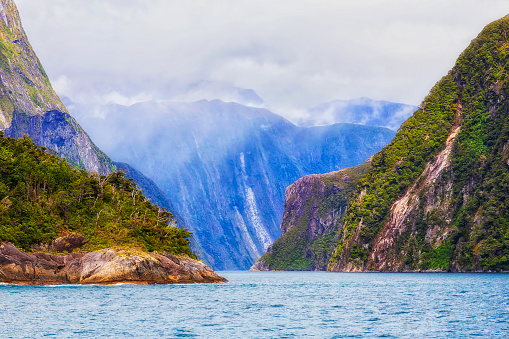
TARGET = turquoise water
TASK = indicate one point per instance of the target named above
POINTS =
(266, 305)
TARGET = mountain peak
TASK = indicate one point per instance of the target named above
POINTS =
(25, 87)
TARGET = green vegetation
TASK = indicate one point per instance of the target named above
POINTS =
(43, 197)
(399, 164)
(6, 105)
(300, 249)
(474, 96)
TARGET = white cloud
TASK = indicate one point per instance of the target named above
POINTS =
(293, 53)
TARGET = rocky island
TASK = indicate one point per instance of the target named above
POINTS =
(106, 266)
(60, 225)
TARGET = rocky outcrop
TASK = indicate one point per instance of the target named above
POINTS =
(66, 243)
(107, 266)
(314, 208)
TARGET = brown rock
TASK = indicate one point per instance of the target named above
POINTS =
(107, 266)
(67, 243)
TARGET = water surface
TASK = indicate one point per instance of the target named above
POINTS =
(266, 305)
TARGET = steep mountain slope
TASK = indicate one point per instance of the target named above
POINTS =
(28, 104)
(225, 166)
(150, 190)
(314, 208)
(363, 111)
(437, 196)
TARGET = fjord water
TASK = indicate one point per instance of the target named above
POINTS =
(266, 305)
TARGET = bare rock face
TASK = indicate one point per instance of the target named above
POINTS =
(260, 266)
(404, 211)
(314, 208)
(67, 243)
(107, 266)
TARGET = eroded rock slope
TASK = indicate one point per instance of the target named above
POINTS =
(314, 208)
(106, 266)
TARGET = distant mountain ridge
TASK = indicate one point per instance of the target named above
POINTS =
(225, 166)
(362, 111)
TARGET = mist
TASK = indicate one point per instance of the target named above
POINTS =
(294, 54)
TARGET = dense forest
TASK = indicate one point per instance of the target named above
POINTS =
(43, 197)
(461, 221)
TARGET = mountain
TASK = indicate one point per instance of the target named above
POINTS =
(363, 111)
(29, 105)
(314, 208)
(436, 197)
(209, 90)
(225, 166)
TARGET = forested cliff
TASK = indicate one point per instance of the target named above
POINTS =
(436, 197)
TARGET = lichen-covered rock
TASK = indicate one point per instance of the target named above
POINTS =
(107, 266)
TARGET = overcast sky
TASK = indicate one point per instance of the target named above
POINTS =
(293, 53)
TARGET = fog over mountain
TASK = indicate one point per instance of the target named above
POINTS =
(362, 111)
(225, 166)
(294, 53)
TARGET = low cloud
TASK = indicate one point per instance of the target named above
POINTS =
(294, 53)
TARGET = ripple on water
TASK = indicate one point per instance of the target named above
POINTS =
(266, 305)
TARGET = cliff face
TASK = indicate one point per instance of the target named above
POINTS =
(436, 196)
(226, 166)
(29, 105)
(150, 190)
(107, 266)
(314, 208)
